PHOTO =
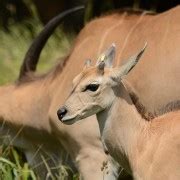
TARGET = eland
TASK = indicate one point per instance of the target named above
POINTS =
(28, 107)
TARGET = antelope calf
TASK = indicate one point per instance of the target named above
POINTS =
(150, 150)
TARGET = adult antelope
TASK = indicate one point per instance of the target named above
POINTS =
(25, 109)
(148, 149)
(41, 131)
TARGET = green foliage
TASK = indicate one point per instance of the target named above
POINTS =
(13, 47)
(12, 166)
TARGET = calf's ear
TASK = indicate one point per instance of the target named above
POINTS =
(129, 65)
(106, 58)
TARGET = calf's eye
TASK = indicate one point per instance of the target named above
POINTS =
(92, 87)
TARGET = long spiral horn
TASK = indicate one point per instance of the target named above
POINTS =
(32, 56)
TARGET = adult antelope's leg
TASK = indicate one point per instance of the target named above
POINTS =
(89, 162)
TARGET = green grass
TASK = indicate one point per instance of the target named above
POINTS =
(12, 166)
(13, 47)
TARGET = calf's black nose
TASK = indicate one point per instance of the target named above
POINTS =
(61, 113)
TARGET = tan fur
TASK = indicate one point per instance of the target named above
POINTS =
(39, 136)
(146, 149)
(34, 104)
(152, 147)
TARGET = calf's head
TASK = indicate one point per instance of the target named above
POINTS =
(93, 88)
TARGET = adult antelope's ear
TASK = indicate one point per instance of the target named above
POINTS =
(129, 65)
(106, 58)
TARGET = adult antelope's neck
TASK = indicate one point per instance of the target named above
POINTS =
(24, 104)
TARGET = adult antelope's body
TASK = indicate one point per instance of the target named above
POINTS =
(130, 32)
(147, 149)
(37, 111)
(26, 118)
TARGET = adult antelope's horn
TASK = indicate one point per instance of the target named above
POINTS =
(32, 56)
